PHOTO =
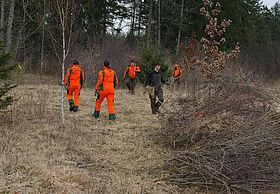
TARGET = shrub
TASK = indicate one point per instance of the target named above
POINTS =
(148, 58)
(5, 87)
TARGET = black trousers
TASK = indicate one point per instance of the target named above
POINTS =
(156, 99)
(131, 84)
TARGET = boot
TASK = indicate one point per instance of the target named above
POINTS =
(95, 114)
(112, 117)
(71, 104)
(75, 109)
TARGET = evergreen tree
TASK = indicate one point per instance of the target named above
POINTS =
(5, 87)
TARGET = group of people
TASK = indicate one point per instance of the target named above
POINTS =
(107, 82)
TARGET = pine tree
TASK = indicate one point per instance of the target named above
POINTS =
(5, 87)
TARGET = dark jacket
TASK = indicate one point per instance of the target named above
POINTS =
(155, 79)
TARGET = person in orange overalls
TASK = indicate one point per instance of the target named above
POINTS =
(105, 88)
(131, 71)
(177, 75)
(74, 80)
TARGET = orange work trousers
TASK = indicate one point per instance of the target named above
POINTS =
(109, 95)
(76, 90)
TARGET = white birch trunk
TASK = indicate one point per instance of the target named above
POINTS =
(62, 75)
(63, 63)
(10, 26)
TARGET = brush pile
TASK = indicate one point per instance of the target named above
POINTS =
(229, 142)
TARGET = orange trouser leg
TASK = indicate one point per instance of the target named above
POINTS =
(70, 91)
(99, 101)
(77, 90)
(110, 102)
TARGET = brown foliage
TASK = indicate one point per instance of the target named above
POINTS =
(213, 59)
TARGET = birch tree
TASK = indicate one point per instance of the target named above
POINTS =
(65, 18)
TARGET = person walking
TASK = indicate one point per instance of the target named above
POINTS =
(154, 87)
(105, 88)
(130, 76)
(177, 75)
(73, 81)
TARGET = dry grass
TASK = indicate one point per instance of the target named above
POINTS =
(88, 155)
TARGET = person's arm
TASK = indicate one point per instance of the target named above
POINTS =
(116, 81)
(181, 73)
(173, 74)
(125, 72)
(148, 81)
(82, 77)
(99, 81)
(137, 69)
(66, 79)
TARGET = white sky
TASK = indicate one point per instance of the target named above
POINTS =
(269, 3)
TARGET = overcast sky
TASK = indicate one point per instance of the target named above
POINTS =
(269, 3)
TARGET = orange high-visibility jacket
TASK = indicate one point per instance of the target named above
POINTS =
(177, 73)
(74, 76)
(107, 80)
(131, 70)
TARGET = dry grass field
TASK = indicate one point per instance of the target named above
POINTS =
(88, 155)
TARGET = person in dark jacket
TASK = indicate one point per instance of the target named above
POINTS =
(154, 87)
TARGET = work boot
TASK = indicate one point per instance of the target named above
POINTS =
(71, 104)
(75, 109)
(112, 117)
(95, 114)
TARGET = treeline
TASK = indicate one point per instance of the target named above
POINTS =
(119, 29)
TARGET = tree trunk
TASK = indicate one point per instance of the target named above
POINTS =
(159, 22)
(133, 18)
(2, 20)
(180, 29)
(63, 72)
(149, 24)
(139, 21)
(10, 26)
(43, 37)
(104, 19)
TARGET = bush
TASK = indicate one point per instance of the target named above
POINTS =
(5, 69)
(148, 58)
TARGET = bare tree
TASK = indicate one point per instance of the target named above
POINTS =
(180, 29)
(149, 24)
(43, 37)
(64, 10)
(10, 26)
(2, 20)
(159, 23)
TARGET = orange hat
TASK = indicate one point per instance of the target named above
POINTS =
(176, 65)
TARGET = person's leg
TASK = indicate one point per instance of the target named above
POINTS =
(69, 95)
(128, 84)
(133, 85)
(159, 96)
(98, 103)
(77, 91)
(111, 109)
(153, 101)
